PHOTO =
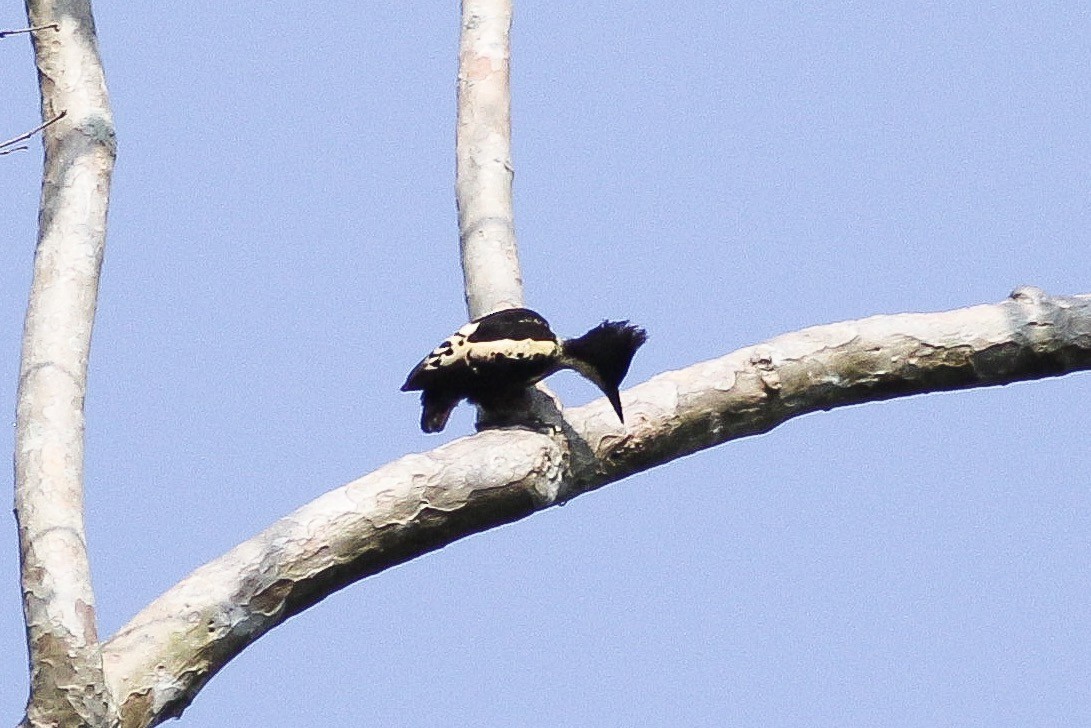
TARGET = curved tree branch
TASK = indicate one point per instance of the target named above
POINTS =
(483, 175)
(66, 676)
(159, 661)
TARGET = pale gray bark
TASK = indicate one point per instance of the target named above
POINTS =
(159, 661)
(67, 687)
(153, 667)
(483, 175)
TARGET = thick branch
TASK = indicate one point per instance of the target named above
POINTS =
(66, 677)
(159, 661)
(483, 175)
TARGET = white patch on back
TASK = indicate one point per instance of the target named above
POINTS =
(513, 349)
(457, 347)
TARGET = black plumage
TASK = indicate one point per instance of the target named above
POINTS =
(492, 359)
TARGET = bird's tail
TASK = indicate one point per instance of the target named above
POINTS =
(435, 410)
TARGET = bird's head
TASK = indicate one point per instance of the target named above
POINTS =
(603, 355)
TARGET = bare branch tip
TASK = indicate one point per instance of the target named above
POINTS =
(35, 29)
(29, 134)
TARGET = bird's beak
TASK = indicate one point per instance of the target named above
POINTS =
(611, 391)
(615, 399)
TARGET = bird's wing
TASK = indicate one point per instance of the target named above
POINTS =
(512, 323)
(450, 352)
(520, 325)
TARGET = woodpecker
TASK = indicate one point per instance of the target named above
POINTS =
(496, 357)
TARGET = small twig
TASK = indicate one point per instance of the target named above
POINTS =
(29, 134)
(50, 26)
(14, 149)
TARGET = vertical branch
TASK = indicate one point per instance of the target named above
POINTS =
(66, 674)
(486, 220)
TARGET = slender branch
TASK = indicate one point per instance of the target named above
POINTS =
(67, 686)
(159, 661)
(35, 29)
(30, 133)
(483, 176)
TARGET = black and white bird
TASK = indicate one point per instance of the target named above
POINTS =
(493, 359)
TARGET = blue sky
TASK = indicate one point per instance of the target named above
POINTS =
(283, 248)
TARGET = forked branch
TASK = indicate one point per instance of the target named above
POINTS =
(159, 661)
